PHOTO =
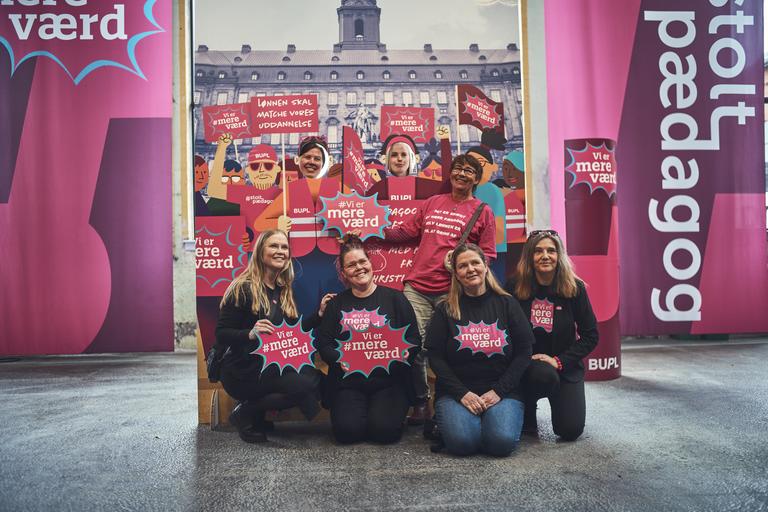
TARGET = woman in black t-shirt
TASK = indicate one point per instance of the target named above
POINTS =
(555, 301)
(479, 345)
(256, 301)
(368, 337)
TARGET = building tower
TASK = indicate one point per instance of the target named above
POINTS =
(359, 22)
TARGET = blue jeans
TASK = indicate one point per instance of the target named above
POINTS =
(495, 432)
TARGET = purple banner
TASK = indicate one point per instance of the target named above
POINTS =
(693, 245)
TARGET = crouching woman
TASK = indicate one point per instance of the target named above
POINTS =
(479, 346)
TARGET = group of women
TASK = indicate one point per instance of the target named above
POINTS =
(495, 351)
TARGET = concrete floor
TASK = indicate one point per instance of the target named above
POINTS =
(683, 429)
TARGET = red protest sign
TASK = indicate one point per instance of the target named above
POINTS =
(288, 347)
(219, 255)
(479, 110)
(374, 347)
(221, 119)
(345, 212)
(356, 175)
(417, 122)
(294, 113)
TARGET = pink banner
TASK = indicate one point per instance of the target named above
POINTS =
(417, 122)
(356, 175)
(478, 110)
(232, 119)
(294, 113)
(219, 255)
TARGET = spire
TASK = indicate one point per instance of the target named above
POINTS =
(359, 22)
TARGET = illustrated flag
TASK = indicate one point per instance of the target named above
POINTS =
(356, 175)
(478, 110)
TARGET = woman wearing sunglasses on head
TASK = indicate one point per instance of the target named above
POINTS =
(555, 301)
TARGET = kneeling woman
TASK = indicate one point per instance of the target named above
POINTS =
(479, 346)
(255, 302)
(367, 405)
(565, 328)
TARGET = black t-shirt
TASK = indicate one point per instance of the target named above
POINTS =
(566, 328)
(489, 348)
(384, 304)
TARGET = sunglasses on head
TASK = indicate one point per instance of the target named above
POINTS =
(537, 232)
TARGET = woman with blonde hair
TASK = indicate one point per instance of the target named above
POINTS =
(256, 301)
(479, 346)
(555, 301)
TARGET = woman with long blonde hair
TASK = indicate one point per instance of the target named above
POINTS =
(479, 345)
(555, 301)
(256, 301)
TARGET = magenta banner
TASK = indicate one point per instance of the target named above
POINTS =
(85, 185)
(692, 216)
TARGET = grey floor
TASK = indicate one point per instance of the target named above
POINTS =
(683, 429)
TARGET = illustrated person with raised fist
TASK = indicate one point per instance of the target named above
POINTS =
(376, 324)
(555, 301)
(256, 301)
(479, 345)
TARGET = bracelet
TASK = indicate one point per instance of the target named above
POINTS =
(559, 363)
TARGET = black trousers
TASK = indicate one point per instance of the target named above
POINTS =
(368, 413)
(566, 399)
(272, 391)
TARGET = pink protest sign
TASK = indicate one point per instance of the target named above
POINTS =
(417, 122)
(542, 314)
(356, 175)
(219, 256)
(288, 347)
(374, 347)
(391, 262)
(233, 119)
(79, 36)
(294, 113)
(595, 166)
(479, 110)
(482, 338)
(345, 212)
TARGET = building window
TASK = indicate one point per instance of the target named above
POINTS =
(464, 133)
(494, 72)
(386, 75)
(384, 58)
(407, 98)
(389, 98)
(333, 134)
(197, 97)
(286, 59)
(433, 58)
(281, 75)
(222, 74)
(359, 28)
(370, 98)
(424, 97)
(351, 98)
(360, 75)
(442, 98)
(221, 98)
(443, 110)
(260, 94)
(307, 75)
(199, 73)
(274, 139)
(254, 76)
(242, 97)
(463, 74)
(333, 98)
(438, 74)
(482, 57)
(412, 75)
(335, 58)
(293, 139)
(334, 75)
(496, 95)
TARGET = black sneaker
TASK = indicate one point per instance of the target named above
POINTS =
(249, 423)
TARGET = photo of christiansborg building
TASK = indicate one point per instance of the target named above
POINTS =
(356, 77)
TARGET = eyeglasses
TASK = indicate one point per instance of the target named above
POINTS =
(464, 170)
(537, 232)
(234, 179)
(267, 166)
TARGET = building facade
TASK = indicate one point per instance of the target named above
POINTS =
(360, 73)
